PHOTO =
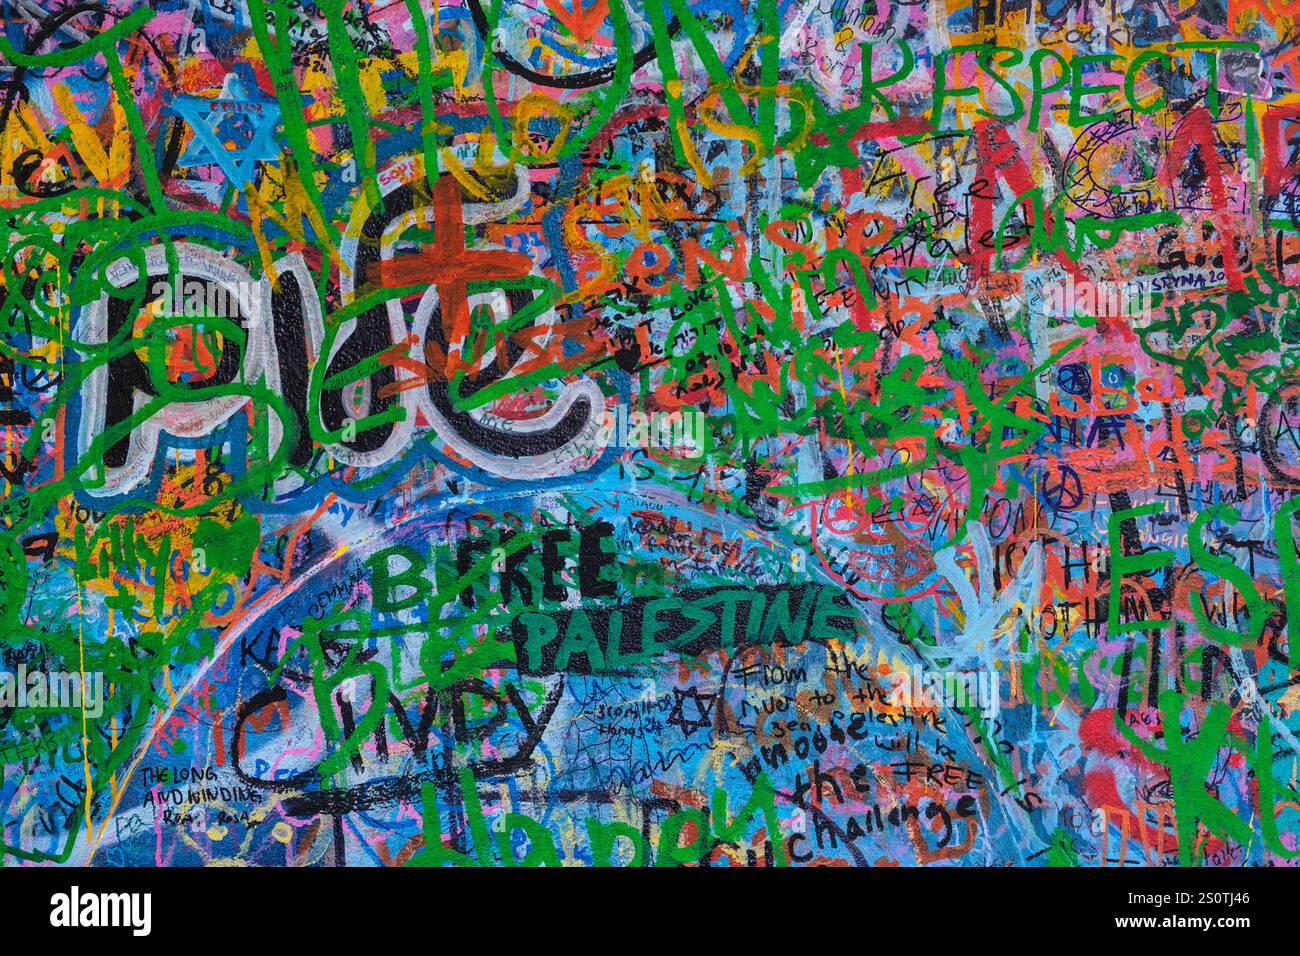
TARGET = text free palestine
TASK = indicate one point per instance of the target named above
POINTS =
(614, 640)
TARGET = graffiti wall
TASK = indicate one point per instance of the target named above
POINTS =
(649, 432)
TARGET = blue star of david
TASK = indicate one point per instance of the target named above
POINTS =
(232, 131)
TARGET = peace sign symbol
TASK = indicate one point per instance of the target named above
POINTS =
(1064, 492)
(1074, 379)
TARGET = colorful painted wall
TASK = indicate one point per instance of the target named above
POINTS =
(649, 432)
